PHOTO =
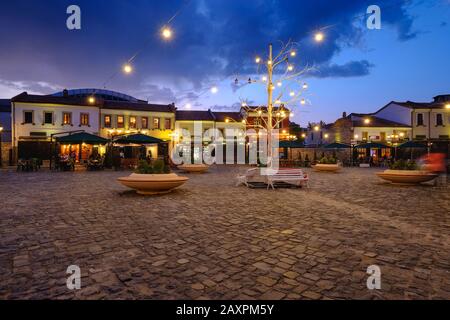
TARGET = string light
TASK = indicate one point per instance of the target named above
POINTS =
(305, 86)
(303, 101)
(269, 62)
(292, 93)
(293, 53)
(279, 83)
(316, 128)
(291, 114)
(277, 101)
(290, 67)
(214, 90)
(319, 36)
(188, 106)
(264, 78)
(127, 68)
(166, 33)
(257, 59)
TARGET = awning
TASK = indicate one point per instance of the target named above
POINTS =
(291, 144)
(138, 139)
(412, 144)
(372, 145)
(81, 137)
(337, 145)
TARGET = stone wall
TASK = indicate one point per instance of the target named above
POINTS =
(6, 146)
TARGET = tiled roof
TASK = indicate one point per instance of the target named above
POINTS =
(5, 105)
(222, 116)
(32, 98)
(82, 101)
(377, 122)
(138, 106)
(197, 115)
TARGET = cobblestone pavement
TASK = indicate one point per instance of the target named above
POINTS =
(212, 240)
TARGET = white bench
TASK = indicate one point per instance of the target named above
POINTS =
(291, 176)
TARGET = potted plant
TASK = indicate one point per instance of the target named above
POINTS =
(405, 172)
(152, 178)
(328, 164)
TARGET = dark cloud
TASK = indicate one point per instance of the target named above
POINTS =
(349, 69)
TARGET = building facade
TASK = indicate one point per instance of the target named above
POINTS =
(5, 132)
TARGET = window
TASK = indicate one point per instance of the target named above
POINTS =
(28, 117)
(439, 119)
(132, 122)
(312, 136)
(420, 119)
(144, 122)
(383, 136)
(120, 121)
(84, 119)
(107, 121)
(167, 124)
(365, 135)
(48, 117)
(155, 123)
(67, 118)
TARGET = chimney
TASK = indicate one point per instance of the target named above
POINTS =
(344, 114)
(65, 93)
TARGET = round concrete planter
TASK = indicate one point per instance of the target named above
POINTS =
(327, 167)
(406, 176)
(148, 184)
(193, 168)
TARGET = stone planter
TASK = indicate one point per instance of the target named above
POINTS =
(406, 176)
(194, 168)
(327, 167)
(148, 184)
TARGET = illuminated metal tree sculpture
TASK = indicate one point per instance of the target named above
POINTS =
(285, 89)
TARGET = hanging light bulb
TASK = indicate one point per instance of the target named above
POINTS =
(188, 106)
(259, 112)
(127, 68)
(269, 62)
(214, 89)
(279, 83)
(305, 86)
(303, 101)
(264, 78)
(277, 101)
(91, 99)
(257, 59)
(166, 33)
(249, 80)
(236, 81)
(244, 104)
(293, 53)
(292, 93)
(290, 67)
(319, 36)
(291, 114)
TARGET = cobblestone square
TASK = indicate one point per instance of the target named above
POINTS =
(212, 240)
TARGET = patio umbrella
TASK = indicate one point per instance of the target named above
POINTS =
(291, 144)
(337, 145)
(81, 137)
(412, 145)
(138, 139)
(371, 145)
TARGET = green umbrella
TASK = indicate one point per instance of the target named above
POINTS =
(371, 145)
(82, 137)
(138, 139)
(291, 144)
(412, 144)
(337, 145)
